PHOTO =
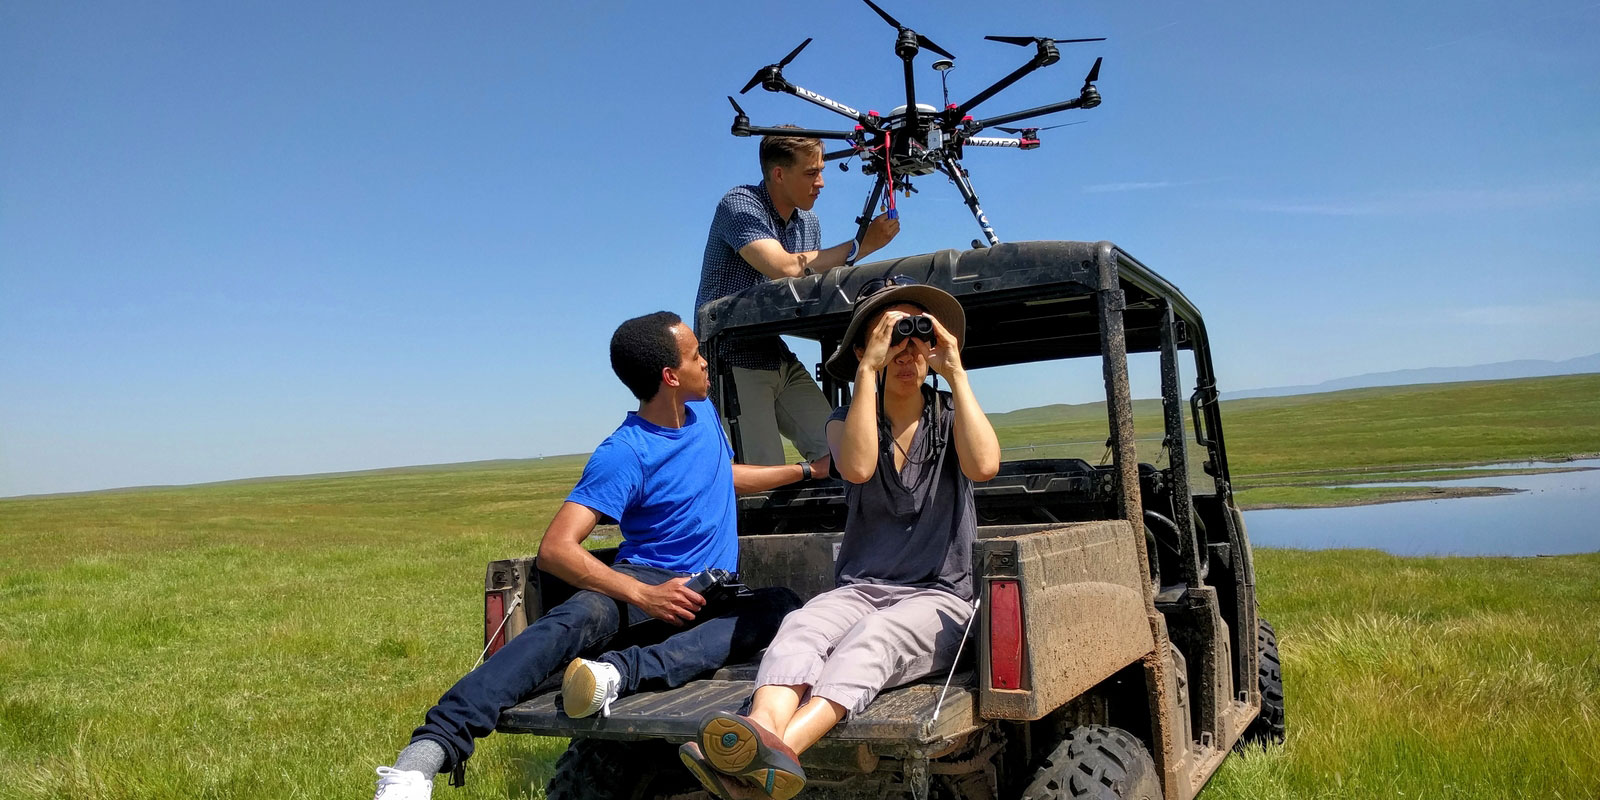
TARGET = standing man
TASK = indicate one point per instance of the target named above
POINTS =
(666, 476)
(763, 232)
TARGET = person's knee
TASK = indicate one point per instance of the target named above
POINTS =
(792, 645)
(884, 633)
(584, 610)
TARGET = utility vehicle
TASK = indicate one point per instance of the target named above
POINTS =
(1117, 652)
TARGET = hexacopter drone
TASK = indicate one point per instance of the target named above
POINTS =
(916, 139)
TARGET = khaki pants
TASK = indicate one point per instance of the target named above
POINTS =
(782, 401)
(851, 643)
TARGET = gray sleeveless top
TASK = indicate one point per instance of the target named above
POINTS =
(914, 527)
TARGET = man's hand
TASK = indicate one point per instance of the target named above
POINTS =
(880, 232)
(819, 468)
(671, 602)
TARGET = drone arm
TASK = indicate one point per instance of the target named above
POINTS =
(1078, 102)
(992, 141)
(803, 133)
(911, 98)
(1015, 76)
(829, 103)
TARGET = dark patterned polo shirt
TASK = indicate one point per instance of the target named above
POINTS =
(745, 215)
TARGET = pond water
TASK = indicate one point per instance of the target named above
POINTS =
(1555, 513)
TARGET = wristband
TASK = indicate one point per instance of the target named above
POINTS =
(854, 245)
(805, 470)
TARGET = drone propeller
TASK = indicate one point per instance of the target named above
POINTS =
(784, 62)
(1024, 41)
(1032, 130)
(1090, 96)
(922, 41)
(736, 108)
(774, 70)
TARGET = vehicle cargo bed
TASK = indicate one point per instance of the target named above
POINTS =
(904, 715)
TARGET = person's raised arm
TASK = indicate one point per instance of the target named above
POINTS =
(854, 442)
(769, 258)
(977, 447)
(561, 554)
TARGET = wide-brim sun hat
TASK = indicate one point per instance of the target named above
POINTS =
(937, 302)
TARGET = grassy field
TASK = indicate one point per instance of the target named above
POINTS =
(1430, 677)
(281, 638)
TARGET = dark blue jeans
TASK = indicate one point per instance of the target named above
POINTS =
(649, 654)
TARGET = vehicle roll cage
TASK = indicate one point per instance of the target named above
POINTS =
(1025, 302)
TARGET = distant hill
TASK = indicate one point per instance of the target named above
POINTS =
(1500, 370)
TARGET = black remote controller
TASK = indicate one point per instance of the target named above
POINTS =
(703, 581)
(716, 585)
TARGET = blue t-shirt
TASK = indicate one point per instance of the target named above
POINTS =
(670, 490)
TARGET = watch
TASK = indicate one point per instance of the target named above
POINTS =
(805, 470)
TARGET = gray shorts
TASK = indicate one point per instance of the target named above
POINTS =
(851, 643)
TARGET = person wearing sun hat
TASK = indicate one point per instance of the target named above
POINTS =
(909, 456)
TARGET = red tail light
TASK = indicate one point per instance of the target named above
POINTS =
(1005, 635)
(494, 615)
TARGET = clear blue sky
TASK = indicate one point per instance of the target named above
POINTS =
(242, 239)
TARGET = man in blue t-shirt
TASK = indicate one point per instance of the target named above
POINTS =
(666, 475)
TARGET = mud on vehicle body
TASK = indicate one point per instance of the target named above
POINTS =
(1117, 652)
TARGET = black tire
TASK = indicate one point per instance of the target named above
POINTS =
(1097, 762)
(598, 769)
(1268, 727)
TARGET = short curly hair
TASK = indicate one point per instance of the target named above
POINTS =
(641, 348)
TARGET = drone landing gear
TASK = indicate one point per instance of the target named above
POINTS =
(952, 168)
(866, 212)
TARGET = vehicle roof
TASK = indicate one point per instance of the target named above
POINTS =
(1024, 301)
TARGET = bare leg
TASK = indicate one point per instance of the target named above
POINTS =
(773, 706)
(807, 725)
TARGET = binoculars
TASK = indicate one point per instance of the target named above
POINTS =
(918, 327)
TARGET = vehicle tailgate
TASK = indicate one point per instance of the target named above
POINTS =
(902, 715)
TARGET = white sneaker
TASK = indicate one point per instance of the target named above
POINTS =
(588, 687)
(403, 784)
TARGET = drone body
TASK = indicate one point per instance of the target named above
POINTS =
(916, 139)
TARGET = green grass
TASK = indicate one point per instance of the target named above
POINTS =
(1329, 496)
(1433, 425)
(262, 639)
(1430, 677)
(1449, 424)
(1360, 435)
(281, 638)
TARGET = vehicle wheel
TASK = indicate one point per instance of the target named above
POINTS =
(1097, 762)
(598, 769)
(1268, 727)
